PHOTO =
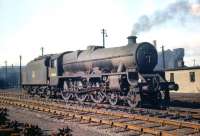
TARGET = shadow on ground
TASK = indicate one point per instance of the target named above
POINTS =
(184, 104)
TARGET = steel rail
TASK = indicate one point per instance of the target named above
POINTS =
(85, 117)
(75, 113)
(179, 112)
(172, 110)
(194, 115)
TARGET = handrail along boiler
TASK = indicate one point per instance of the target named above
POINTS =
(117, 74)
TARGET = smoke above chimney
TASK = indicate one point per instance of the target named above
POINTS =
(182, 10)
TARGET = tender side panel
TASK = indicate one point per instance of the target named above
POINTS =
(24, 76)
(36, 73)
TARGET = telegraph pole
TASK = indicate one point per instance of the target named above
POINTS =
(104, 35)
(163, 57)
(42, 49)
(20, 72)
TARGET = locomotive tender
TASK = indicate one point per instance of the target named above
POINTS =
(118, 74)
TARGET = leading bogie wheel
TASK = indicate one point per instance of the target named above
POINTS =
(113, 98)
(133, 98)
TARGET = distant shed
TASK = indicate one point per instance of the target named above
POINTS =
(188, 78)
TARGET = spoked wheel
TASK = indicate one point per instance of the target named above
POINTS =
(52, 92)
(41, 92)
(81, 97)
(133, 99)
(66, 95)
(48, 93)
(78, 89)
(29, 90)
(98, 96)
(33, 91)
(113, 98)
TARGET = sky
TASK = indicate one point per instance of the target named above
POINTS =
(69, 25)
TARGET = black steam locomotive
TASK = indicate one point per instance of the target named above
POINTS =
(119, 74)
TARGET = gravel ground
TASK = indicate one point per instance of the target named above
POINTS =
(186, 97)
(187, 100)
(51, 123)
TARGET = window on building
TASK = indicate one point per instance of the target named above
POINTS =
(171, 77)
(192, 76)
(52, 64)
(55, 63)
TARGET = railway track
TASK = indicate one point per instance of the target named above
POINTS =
(138, 123)
(176, 113)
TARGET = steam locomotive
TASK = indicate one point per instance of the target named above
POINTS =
(119, 74)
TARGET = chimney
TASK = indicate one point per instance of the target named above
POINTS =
(132, 39)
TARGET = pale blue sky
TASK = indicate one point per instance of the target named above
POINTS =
(61, 25)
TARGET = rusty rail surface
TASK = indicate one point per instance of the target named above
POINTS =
(139, 123)
(175, 111)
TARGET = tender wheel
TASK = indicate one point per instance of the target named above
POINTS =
(133, 98)
(51, 92)
(48, 93)
(66, 95)
(29, 90)
(41, 92)
(98, 97)
(33, 91)
(113, 98)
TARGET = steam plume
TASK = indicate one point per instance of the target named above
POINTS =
(180, 10)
